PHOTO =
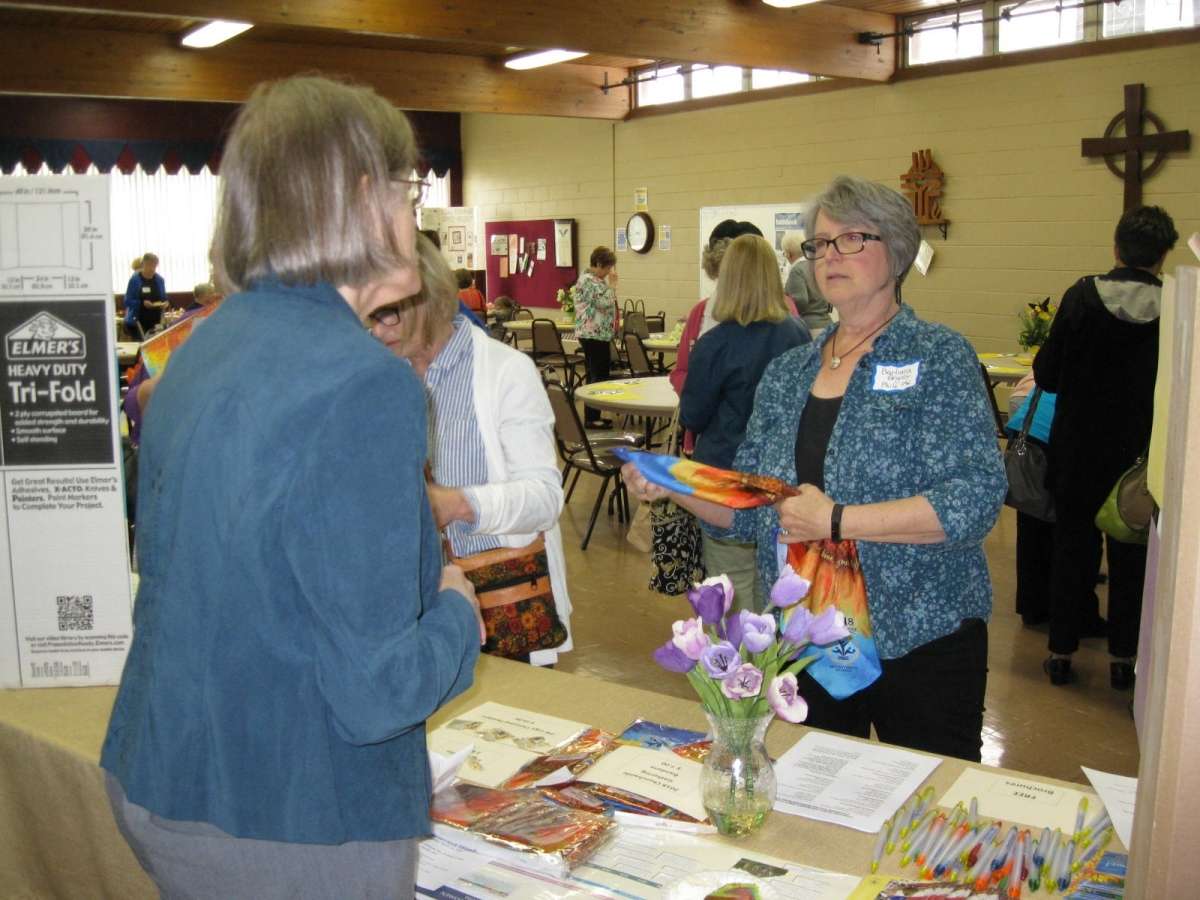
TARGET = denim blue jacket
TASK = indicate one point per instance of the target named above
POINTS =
(289, 636)
(934, 438)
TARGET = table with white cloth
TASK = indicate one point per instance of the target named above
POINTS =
(59, 838)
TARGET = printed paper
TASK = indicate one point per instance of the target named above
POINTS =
(1014, 799)
(657, 774)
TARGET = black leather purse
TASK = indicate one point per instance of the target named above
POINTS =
(1025, 464)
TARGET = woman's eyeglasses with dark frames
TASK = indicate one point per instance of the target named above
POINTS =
(847, 244)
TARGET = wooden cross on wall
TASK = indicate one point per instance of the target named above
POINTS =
(1135, 143)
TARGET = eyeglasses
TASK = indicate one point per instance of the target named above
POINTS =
(846, 244)
(416, 190)
(385, 315)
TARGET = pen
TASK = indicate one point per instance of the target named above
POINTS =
(924, 799)
(953, 850)
(1039, 850)
(978, 848)
(981, 875)
(1101, 822)
(1095, 847)
(894, 831)
(935, 851)
(1030, 868)
(1050, 854)
(916, 833)
(1064, 869)
(1060, 851)
(931, 838)
(877, 853)
(1005, 848)
(1080, 814)
(973, 812)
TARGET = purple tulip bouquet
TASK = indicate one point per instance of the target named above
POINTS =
(744, 665)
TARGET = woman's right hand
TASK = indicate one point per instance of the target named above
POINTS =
(644, 490)
(453, 579)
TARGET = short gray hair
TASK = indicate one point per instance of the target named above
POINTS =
(855, 200)
(308, 186)
(426, 314)
(790, 243)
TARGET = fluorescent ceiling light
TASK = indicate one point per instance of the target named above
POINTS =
(215, 32)
(542, 58)
(788, 4)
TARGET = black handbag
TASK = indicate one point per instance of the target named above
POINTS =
(1025, 465)
(676, 549)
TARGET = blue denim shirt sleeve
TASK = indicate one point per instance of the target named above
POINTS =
(390, 648)
(957, 443)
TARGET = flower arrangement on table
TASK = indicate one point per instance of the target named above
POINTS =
(743, 666)
(566, 300)
(1035, 324)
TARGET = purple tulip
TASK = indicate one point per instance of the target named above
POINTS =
(711, 598)
(828, 627)
(757, 632)
(785, 699)
(797, 624)
(789, 588)
(719, 660)
(690, 637)
(673, 659)
(742, 682)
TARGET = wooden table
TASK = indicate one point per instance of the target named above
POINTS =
(60, 839)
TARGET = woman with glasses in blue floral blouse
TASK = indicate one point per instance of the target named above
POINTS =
(884, 425)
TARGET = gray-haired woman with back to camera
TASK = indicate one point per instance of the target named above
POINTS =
(294, 625)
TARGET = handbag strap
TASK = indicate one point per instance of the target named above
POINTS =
(1021, 439)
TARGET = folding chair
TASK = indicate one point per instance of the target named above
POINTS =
(635, 323)
(579, 453)
(991, 392)
(639, 361)
(548, 353)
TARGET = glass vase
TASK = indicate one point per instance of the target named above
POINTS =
(737, 781)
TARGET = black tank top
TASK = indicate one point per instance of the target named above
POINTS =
(812, 438)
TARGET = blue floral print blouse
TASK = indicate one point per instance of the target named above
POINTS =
(915, 420)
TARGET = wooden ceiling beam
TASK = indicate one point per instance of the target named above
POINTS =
(818, 38)
(94, 62)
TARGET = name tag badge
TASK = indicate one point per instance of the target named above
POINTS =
(146, 289)
(896, 378)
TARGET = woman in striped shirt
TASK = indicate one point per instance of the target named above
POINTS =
(495, 480)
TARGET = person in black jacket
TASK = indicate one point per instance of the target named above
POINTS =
(1101, 358)
(754, 325)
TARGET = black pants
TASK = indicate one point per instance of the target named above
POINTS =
(1035, 563)
(930, 699)
(1076, 545)
(597, 358)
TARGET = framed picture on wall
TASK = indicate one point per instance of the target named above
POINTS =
(564, 243)
(456, 237)
(499, 245)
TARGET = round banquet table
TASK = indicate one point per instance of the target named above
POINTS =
(524, 326)
(636, 396)
(1007, 367)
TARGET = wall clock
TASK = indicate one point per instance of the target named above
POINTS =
(640, 232)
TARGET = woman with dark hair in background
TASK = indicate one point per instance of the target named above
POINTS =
(596, 322)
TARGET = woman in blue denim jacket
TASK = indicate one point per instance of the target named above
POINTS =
(885, 426)
(294, 625)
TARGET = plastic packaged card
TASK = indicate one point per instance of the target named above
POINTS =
(563, 763)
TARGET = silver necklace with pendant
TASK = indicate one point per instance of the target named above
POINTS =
(835, 360)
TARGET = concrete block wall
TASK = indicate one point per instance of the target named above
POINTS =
(1028, 213)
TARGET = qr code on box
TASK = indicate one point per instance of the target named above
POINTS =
(75, 613)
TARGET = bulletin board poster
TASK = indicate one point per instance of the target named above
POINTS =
(530, 259)
(772, 219)
(65, 598)
(461, 231)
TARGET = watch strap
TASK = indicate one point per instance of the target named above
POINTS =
(835, 523)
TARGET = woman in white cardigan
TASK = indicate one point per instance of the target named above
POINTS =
(495, 480)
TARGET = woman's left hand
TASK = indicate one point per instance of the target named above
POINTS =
(805, 517)
(449, 505)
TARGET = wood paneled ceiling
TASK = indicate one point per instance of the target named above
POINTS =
(428, 54)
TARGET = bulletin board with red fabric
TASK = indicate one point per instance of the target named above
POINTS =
(540, 287)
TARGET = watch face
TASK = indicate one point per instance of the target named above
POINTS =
(638, 233)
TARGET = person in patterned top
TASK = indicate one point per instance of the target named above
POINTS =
(596, 322)
(885, 425)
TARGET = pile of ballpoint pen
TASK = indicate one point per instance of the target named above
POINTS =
(959, 846)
